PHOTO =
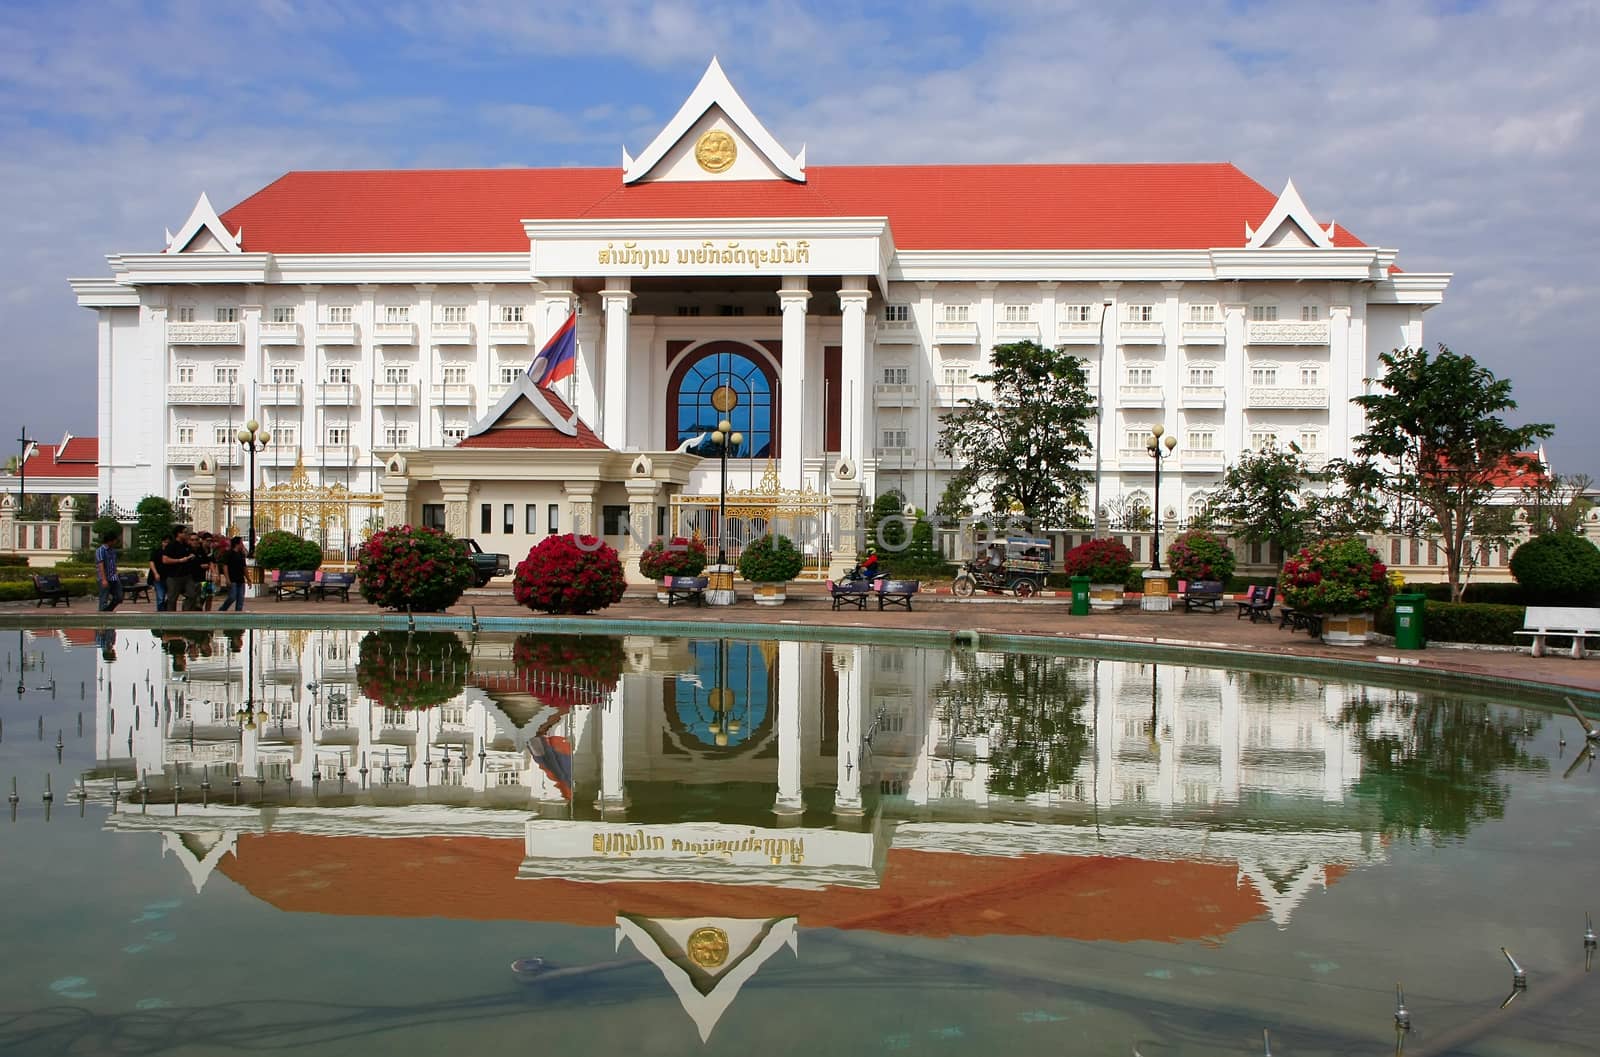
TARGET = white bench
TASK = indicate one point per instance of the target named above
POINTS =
(1574, 622)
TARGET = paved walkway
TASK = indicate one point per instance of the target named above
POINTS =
(808, 605)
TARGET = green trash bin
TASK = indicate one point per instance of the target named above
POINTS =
(1080, 595)
(1408, 622)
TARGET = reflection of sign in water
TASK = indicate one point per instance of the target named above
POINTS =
(707, 960)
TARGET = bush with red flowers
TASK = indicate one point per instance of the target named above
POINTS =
(1335, 576)
(569, 574)
(568, 669)
(1200, 555)
(398, 669)
(420, 568)
(678, 556)
(1104, 561)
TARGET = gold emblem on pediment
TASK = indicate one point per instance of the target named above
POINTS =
(715, 151)
(708, 947)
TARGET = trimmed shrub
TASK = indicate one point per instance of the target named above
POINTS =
(399, 669)
(1485, 593)
(13, 560)
(1104, 561)
(770, 560)
(1335, 576)
(543, 659)
(285, 550)
(569, 574)
(1558, 569)
(1463, 622)
(155, 516)
(678, 556)
(1198, 555)
(420, 568)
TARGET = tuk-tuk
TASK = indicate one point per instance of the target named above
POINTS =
(1017, 565)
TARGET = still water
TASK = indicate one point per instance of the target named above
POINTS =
(344, 842)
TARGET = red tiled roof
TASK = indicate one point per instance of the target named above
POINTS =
(955, 207)
(79, 457)
(545, 438)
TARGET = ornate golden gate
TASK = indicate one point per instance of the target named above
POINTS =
(331, 514)
(804, 515)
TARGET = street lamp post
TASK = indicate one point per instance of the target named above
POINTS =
(1156, 595)
(724, 437)
(22, 476)
(252, 438)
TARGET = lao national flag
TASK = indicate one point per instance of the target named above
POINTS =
(559, 357)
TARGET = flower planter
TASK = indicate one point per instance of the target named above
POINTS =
(1346, 629)
(1105, 596)
(771, 594)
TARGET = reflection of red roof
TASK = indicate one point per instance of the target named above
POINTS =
(78, 457)
(956, 207)
(922, 893)
(80, 636)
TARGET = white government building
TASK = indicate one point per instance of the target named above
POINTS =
(364, 315)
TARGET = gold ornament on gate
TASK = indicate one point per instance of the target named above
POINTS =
(708, 947)
(715, 151)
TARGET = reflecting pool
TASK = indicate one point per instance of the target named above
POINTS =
(333, 841)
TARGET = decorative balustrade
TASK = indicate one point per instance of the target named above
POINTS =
(1287, 396)
(224, 395)
(279, 333)
(205, 334)
(1289, 332)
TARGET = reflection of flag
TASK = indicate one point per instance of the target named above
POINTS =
(554, 757)
(559, 357)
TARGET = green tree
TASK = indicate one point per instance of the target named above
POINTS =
(1023, 445)
(1441, 448)
(1031, 706)
(1262, 498)
(155, 516)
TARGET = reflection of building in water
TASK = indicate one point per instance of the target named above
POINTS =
(890, 789)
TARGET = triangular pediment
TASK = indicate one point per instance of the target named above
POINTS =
(707, 960)
(1290, 224)
(204, 232)
(200, 852)
(524, 406)
(714, 136)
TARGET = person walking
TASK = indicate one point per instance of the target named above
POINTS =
(183, 567)
(233, 567)
(105, 568)
(156, 572)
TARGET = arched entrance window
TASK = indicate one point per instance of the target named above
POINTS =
(733, 369)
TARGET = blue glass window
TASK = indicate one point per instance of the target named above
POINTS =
(695, 414)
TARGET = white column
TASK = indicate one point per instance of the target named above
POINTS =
(483, 369)
(792, 442)
(1235, 371)
(613, 793)
(790, 798)
(1105, 735)
(427, 421)
(853, 298)
(847, 791)
(1340, 376)
(1230, 740)
(617, 301)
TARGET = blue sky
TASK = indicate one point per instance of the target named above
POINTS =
(1457, 132)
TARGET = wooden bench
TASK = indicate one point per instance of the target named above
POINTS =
(134, 587)
(1257, 604)
(685, 589)
(897, 593)
(293, 583)
(1203, 594)
(1546, 622)
(849, 593)
(47, 588)
(1300, 620)
(333, 584)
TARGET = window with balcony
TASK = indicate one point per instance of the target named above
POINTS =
(892, 438)
(338, 374)
(1202, 374)
(688, 310)
(508, 373)
(511, 313)
(339, 314)
(1264, 375)
(1018, 313)
(1076, 314)
(1141, 375)
(397, 436)
(284, 373)
(284, 435)
(183, 374)
(1200, 439)
(1202, 313)
(453, 313)
(453, 374)
(283, 313)
(337, 436)
(453, 433)
(183, 314)
(1263, 313)
(1141, 313)
(225, 314)
(1310, 374)
(896, 375)
(397, 313)
(185, 434)
(1310, 441)
(1310, 313)
(396, 373)
(957, 314)
(221, 436)
(226, 374)
(1262, 439)
(896, 313)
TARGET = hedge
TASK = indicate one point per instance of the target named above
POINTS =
(1463, 622)
(13, 559)
(22, 591)
(1484, 593)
